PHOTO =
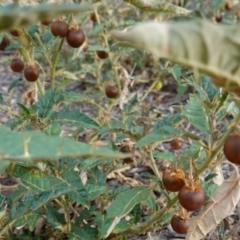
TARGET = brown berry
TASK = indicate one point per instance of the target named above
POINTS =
(31, 73)
(93, 17)
(5, 42)
(218, 19)
(227, 6)
(176, 144)
(173, 179)
(231, 148)
(17, 65)
(179, 225)
(46, 22)
(191, 198)
(102, 54)
(59, 28)
(111, 91)
(75, 37)
(15, 33)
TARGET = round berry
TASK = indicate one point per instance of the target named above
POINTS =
(17, 65)
(173, 179)
(75, 37)
(231, 148)
(102, 54)
(176, 144)
(179, 225)
(93, 17)
(191, 198)
(5, 42)
(31, 73)
(111, 91)
(59, 28)
(46, 22)
(15, 33)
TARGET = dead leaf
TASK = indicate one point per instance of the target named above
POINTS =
(221, 205)
(219, 178)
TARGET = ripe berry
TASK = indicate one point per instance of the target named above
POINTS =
(227, 6)
(218, 19)
(231, 148)
(59, 28)
(5, 42)
(31, 73)
(179, 224)
(176, 144)
(102, 54)
(46, 22)
(173, 179)
(15, 33)
(17, 65)
(93, 17)
(111, 91)
(75, 37)
(191, 198)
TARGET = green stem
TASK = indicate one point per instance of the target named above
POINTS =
(9, 111)
(67, 214)
(54, 63)
(218, 148)
(156, 171)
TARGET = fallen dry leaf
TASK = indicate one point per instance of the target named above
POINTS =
(221, 205)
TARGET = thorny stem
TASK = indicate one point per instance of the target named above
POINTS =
(4, 230)
(156, 172)
(54, 63)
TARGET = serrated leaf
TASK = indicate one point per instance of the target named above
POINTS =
(73, 117)
(158, 6)
(34, 145)
(201, 46)
(70, 97)
(168, 121)
(53, 217)
(97, 48)
(44, 106)
(27, 15)
(53, 129)
(126, 200)
(94, 191)
(197, 114)
(78, 234)
(29, 219)
(160, 135)
(220, 206)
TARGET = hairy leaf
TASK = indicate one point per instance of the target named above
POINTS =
(126, 200)
(34, 145)
(158, 6)
(199, 44)
(221, 205)
(12, 17)
(73, 117)
(196, 114)
(160, 135)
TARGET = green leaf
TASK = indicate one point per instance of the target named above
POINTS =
(197, 114)
(160, 135)
(34, 145)
(202, 45)
(53, 129)
(44, 106)
(73, 117)
(126, 200)
(168, 121)
(78, 192)
(4, 165)
(94, 48)
(79, 234)
(14, 84)
(28, 219)
(70, 97)
(158, 6)
(19, 16)
(53, 217)
(94, 191)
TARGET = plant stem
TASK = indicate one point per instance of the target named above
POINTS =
(218, 148)
(54, 63)
(67, 214)
(15, 114)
